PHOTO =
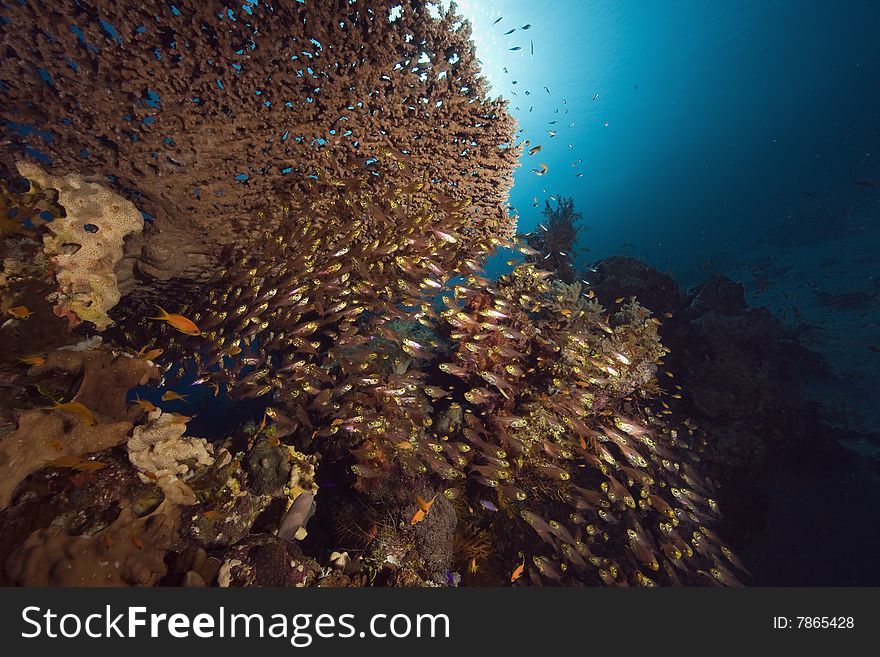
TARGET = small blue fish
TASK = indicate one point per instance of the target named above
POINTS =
(489, 506)
(516, 48)
(510, 31)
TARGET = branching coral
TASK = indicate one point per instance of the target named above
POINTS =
(555, 239)
(205, 114)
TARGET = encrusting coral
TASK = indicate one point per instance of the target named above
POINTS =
(85, 244)
(62, 435)
(161, 453)
(130, 552)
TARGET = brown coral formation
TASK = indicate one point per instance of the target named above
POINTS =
(204, 115)
(130, 552)
(47, 435)
(100, 371)
(266, 561)
(349, 152)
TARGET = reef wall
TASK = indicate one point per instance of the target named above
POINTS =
(325, 182)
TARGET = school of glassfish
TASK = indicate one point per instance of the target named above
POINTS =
(528, 404)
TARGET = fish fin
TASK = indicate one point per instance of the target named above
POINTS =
(162, 313)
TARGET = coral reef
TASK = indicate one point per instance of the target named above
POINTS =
(99, 370)
(301, 491)
(737, 385)
(160, 451)
(85, 244)
(322, 253)
(204, 116)
(268, 466)
(555, 239)
(58, 434)
(23, 208)
(82, 503)
(26, 278)
(620, 276)
(268, 562)
(130, 552)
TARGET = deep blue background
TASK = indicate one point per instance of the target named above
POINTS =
(738, 137)
(720, 116)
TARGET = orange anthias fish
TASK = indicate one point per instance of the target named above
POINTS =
(423, 509)
(423, 505)
(20, 312)
(517, 572)
(78, 408)
(149, 355)
(181, 323)
(170, 395)
(78, 463)
(145, 404)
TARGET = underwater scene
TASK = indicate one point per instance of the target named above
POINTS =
(394, 293)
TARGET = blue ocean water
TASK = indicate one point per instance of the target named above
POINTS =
(740, 137)
(698, 126)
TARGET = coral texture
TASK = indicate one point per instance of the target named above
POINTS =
(160, 452)
(555, 238)
(85, 244)
(45, 436)
(204, 114)
(268, 561)
(100, 371)
(130, 552)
